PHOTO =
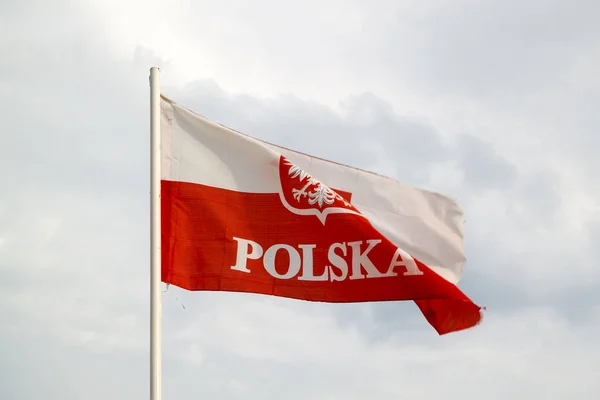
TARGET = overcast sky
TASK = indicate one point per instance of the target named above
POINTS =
(492, 102)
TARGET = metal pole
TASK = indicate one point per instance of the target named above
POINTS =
(155, 257)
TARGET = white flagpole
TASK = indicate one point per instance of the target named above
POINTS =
(155, 268)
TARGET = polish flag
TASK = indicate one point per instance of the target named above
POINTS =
(242, 215)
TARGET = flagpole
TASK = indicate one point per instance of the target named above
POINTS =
(155, 267)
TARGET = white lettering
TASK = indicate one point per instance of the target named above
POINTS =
(337, 262)
(242, 257)
(362, 260)
(308, 273)
(269, 261)
(302, 267)
(403, 259)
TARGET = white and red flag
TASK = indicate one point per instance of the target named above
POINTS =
(242, 215)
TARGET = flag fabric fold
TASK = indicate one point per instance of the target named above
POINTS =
(242, 215)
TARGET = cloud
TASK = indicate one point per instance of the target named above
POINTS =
(494, 133)
(498, 360)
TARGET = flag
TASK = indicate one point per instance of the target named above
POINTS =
(242, 215)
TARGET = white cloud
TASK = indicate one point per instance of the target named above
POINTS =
(439, 94)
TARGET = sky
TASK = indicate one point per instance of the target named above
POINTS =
(494, 103)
